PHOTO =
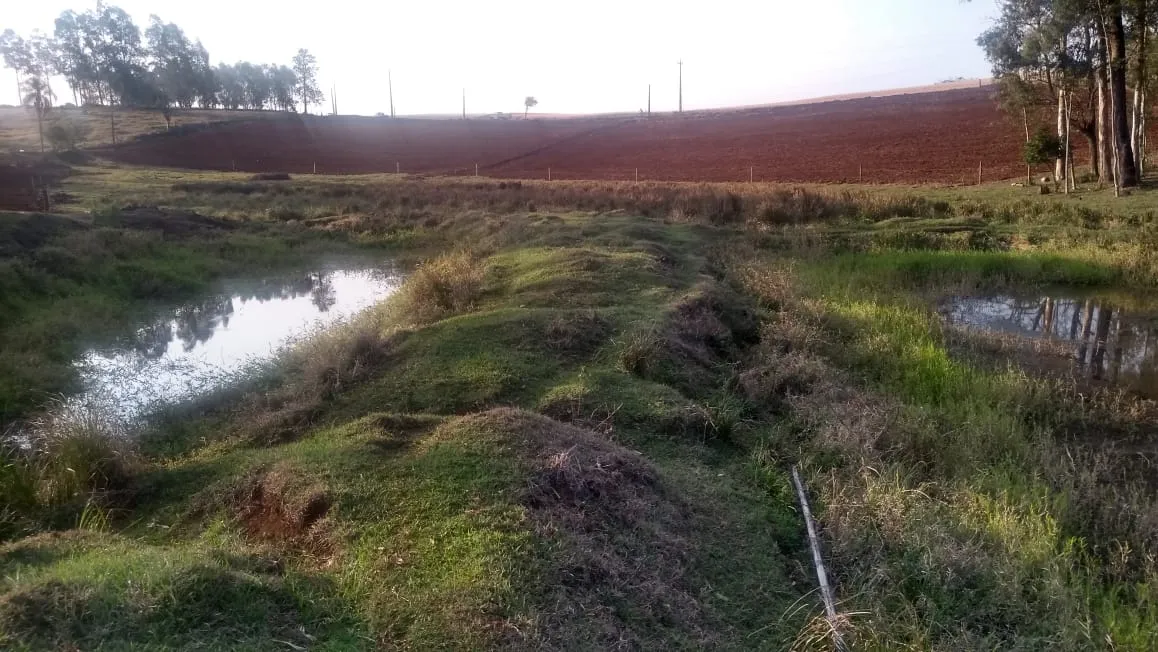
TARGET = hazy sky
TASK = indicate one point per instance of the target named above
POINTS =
(589, 56)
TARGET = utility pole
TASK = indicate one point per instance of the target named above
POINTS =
(464, 111)
(649, 100)
(390, 85)
(681, 64)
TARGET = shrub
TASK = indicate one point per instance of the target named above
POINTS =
(67, 135)
(1042, 148)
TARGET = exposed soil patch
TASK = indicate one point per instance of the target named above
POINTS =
(282, 507)
(25, 183)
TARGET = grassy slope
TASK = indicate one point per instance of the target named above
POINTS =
(964, 506)
(18, 128)
(438, 512)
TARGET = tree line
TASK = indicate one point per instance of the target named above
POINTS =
(105, 59)
(1090, 61)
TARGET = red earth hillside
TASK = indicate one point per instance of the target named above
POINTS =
(936, 136)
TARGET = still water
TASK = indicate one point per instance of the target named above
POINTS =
(1110, 340)
(193, 348)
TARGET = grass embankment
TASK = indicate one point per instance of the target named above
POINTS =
(385, 496)
(575, 435)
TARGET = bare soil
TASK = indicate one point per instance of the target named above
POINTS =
(938, 137)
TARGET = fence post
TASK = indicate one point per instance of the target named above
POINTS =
(476, 169)
(637, 175)
(751, 178)
(315, 167)
(397, 167)
(548, 174)
(859, 173)
(233, 164)
(980, 171)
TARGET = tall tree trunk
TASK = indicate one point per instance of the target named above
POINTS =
(1025, 120)
(1116, 51)
(40, 121)
(1138, 124)
(1059, 165)
(1090, 132)
(1103, 121)
(1068, 163)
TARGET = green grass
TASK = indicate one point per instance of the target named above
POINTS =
(572, 428)
(954, 524)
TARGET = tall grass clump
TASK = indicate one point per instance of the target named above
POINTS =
(447, 285)
(66, 460)
(310, 373)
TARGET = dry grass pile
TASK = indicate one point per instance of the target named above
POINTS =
(616, 533)
(702, 333)
(577, 332)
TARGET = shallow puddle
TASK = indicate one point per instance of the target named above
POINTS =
(201, 345)
(1110, 340)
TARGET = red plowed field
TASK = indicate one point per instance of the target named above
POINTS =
(924, 137)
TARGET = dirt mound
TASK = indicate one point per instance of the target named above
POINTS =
(615, 530)
(168, 222)
(283, 507)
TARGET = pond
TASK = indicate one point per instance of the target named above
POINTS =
(190, 349)
(1109, 339)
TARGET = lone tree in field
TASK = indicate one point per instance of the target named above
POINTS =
(38, 96)
(528, 103)
(307, 90)
(32, 58)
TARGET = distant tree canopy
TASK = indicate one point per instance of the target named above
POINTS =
(1088, 60)
(106, 59)
(529, 103)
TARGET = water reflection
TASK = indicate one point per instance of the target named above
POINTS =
(198, 345)
(1109, 342)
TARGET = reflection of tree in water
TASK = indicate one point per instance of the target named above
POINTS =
(1110, 343)
(196, 322)
(323, 295)
(280, 289)
(152, 340)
